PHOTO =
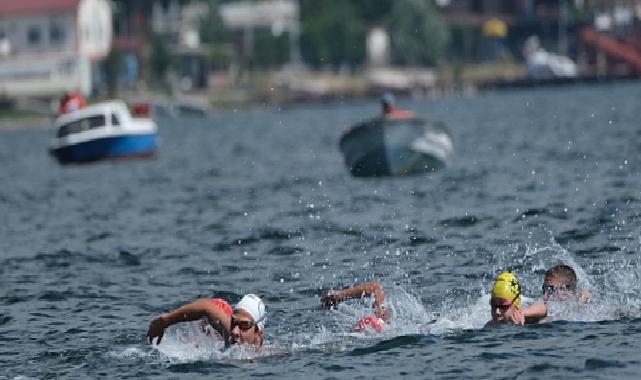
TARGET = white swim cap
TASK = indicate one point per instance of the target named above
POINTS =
(252, 304)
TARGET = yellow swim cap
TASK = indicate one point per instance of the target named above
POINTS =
(507, 287)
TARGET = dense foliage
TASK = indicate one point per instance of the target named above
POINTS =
(332, 34)
(418, 32)
(334, 31)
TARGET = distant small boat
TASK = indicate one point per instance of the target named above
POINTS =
(393, 147)
(103, 131)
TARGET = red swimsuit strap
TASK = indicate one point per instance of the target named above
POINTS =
(221, 303)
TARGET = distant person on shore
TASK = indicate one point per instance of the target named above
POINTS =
(374, 322)
(71, 102)
(389, 109)
(243, 324)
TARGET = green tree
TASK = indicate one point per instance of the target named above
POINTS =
(331, 33)
(269, 50)
(419, 34)
(212, 29)
(216, 37)
(160, 59)
(373, 11)
(113, 65)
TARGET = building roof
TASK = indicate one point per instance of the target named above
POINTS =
(10, 7)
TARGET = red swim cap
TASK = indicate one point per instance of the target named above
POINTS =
(369, 321)
(221, 303)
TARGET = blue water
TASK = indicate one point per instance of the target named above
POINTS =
(260, 201)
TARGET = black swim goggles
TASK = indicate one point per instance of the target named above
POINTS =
(551, 289)
(243, 324)
(499, 303)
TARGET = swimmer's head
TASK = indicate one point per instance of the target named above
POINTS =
(563, 272)
(255, 306)
(559, 282)
(248, 320)
(507, 288)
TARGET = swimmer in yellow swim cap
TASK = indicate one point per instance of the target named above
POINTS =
(505, 301)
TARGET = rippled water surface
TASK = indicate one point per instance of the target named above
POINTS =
(259, 201)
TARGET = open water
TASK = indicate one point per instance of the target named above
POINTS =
(259, 201)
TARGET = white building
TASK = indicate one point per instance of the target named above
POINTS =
(51, 46)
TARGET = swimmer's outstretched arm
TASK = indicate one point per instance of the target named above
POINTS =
(535, 313)
(368, 289)
(529, 315)
(190, 312)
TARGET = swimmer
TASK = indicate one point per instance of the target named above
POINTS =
(505, 302)
(244, 324)
(381, 315)
(559, 285)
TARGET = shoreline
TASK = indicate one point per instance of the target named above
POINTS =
(25, 122)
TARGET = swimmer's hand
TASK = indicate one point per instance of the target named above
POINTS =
(584, 296)
(514, 315)
(157, 328)
(329, 300)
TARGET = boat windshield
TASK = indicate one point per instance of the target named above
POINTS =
(81, 125)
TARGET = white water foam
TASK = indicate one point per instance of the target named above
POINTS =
(614, 295)
(614, 290)
(188, 342)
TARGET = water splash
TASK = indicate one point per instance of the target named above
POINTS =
(614, 289)
(540, 258)
(131, 353)
(188, 342)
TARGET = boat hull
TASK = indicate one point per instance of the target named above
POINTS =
(111, 147)
(385, 147)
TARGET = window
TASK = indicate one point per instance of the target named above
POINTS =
(96, 121)
(68, 129)
(114, 120)
(56, 33)
(34, 35)
(81, 125)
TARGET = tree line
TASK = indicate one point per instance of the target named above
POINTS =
(332, 34)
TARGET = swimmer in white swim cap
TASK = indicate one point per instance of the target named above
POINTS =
(244, 324)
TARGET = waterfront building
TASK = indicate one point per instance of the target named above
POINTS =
(48, 47)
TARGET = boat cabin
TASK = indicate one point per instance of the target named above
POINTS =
(87, 123)
(103, 115)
